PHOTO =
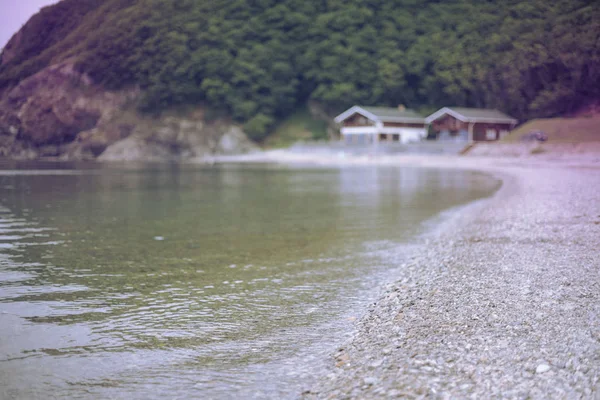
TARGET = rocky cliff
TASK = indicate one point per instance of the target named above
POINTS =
(61, 113)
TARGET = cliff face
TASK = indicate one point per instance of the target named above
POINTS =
(60, 112)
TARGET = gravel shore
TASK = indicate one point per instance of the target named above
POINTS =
(503, 300)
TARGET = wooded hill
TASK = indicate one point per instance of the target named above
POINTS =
(257, 60)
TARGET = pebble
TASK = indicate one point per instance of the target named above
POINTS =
(370, 380)
(542, 368)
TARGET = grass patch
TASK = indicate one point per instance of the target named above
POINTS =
(560, 130)
(299, 126)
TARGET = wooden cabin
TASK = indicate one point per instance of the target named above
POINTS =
(372, 125)
(469, 124)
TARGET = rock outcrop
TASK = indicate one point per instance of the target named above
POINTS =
(177, 138)
(61, 113)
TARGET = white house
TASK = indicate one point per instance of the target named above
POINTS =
(371, 125)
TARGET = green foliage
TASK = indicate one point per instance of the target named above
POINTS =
(300, 125)
(257, 60)
(258, 126)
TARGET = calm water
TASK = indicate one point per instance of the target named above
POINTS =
(194, 282)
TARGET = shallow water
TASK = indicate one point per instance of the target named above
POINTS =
(224, 282)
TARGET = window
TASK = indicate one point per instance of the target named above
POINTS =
(382, 137)
(395, 137)
(490, 134)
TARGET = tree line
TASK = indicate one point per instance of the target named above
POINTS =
(257, 60)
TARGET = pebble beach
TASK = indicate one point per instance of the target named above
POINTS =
(501, 301)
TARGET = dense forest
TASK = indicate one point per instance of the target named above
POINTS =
(257, 60)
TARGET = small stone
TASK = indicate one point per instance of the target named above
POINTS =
(342, 359)
(370, 380)
(542, 368)
(159, 238)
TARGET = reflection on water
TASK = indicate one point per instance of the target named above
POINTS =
(185, 281)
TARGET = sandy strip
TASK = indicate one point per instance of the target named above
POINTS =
(503, 300)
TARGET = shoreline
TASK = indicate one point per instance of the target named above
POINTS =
(486, 163)
(496, 304)
(502, 299)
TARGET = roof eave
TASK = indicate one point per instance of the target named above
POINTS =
(374, 117)
(443, 111)
(440, 113)
(356, 109)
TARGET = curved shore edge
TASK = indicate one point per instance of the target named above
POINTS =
(502, 300)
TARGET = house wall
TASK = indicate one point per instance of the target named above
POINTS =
(448, 127)
(404, 125)
(448, 123)
(369, 134)
(481, 130)
(408, 135)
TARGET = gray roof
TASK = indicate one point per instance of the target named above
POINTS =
(480, 113)
(392, 112)
(383, 114)
(472, 115)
